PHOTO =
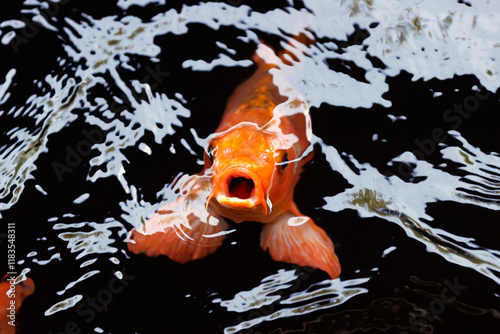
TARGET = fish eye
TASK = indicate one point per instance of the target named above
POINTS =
(284, 161)
(211, 152)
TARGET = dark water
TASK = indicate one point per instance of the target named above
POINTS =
(103, 105)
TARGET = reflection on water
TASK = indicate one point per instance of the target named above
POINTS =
(64, 305)
(49, 112)
(374, 194)
(110, 79)
(272, 299)
(98, 240)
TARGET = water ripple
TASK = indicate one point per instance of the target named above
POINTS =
(428, 40)
(277, 297)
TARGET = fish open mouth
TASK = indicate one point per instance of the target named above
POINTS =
(240, 187)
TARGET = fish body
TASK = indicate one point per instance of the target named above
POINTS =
(252, 163)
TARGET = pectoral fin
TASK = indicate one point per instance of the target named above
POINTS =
(182, 230)
(296, 239)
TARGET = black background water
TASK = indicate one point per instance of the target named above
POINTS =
(406, 288)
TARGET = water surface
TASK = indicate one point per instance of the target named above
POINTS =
(103, 106)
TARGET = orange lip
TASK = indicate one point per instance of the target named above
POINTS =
(239, 188)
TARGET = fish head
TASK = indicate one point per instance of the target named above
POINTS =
(249, 173)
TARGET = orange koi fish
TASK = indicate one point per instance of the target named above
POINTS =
(12, 294)
(252, 163)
